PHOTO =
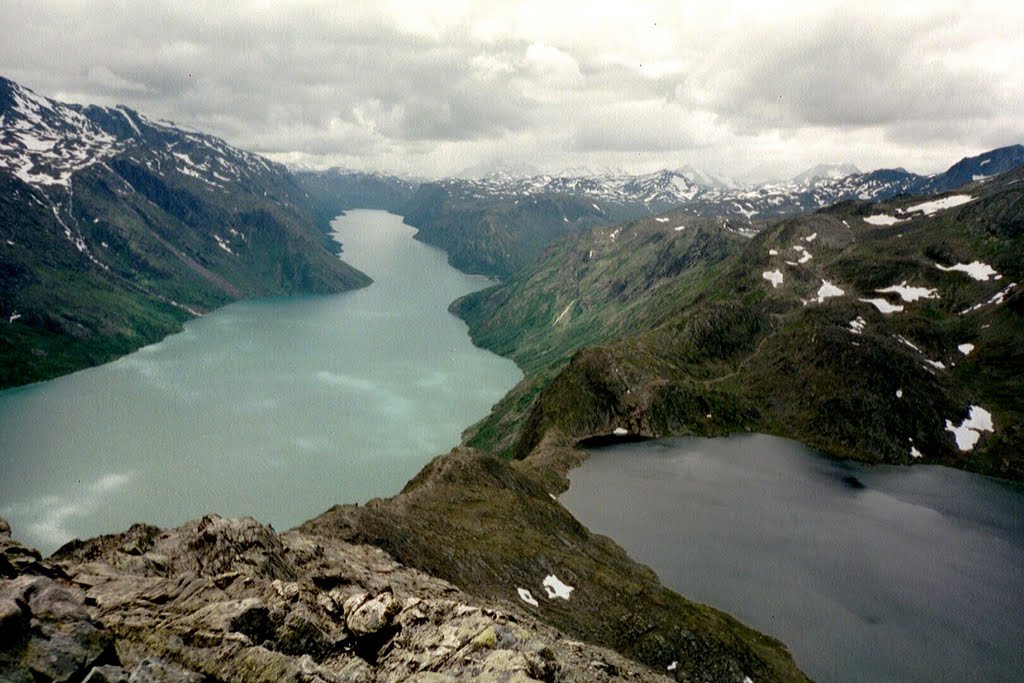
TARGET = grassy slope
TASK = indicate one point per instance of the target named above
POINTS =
(586, 290)
(161, 257)
(490, 526)
(752, 357)
(499, 236)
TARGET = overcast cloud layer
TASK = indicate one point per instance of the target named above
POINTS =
(748, 90)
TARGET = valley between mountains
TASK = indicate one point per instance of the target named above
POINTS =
(872, 316)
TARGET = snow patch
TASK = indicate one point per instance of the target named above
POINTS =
(899, 393)
(811, 238)
(914, 453)
(661, 220)
(857, 325)
(969, 431)
(222, 244)
(619, 431)
(883, 306)
(827, 291)
(997, 298)
(900, 338)
(527, 597)
(933, 207)
(772, 252)
(679, 227)
(883, 219)
(908, 293)
(965, 348)
(976, 269)
(673, 666)
(773, 276)
(555, 588)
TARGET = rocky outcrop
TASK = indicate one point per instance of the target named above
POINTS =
(231, 600)
(495, 529)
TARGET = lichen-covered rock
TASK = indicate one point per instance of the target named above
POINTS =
(371, 615)
(236, 601)
(48, 633)
(148, 671)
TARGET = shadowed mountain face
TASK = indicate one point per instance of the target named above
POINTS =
(882, 332)
(331, 192)
(115, 228)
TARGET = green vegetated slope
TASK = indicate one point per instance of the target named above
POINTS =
(334, 191)
(108, 249)
(492, 527)
(497, 236)
(589, 288)
(719, 347)
(157, 263)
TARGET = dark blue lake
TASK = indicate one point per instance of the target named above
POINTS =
(866, 573)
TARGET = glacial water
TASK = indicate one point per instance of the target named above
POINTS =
(866, 573)
(275, 408)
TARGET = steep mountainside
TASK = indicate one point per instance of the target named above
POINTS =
(499, 224)
(883, 332)
(331, 192)
(114, 229)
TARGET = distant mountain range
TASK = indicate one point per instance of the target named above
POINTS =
(498, 224)
(885, 332)
(115, 228)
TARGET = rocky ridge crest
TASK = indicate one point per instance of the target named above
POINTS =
(230, 599)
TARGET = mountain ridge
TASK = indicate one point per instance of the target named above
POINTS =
(499, 224)
(919, 294)
(116, 229)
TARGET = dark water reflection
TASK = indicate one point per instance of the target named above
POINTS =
(867, 573)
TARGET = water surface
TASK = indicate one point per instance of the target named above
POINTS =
(275, 408)
(866, 573)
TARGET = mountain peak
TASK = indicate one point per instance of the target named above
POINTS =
(832, 171)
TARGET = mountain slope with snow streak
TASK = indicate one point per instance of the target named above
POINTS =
(866, 340)
(115, 228)
(498, 224)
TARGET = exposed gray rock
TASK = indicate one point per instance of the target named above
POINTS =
(48, 632)
(152, 670)
(370, 615)
(236, 601)
(16, 559)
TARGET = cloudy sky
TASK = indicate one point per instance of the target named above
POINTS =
(750, 90)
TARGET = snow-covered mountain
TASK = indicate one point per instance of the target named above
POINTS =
(115, 227)
(825, 172)
(707, 194)
(500, 222)
(44, 142)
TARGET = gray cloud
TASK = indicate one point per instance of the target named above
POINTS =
(431, 89)
(850, 71)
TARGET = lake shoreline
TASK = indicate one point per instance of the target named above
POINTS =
(881, 499)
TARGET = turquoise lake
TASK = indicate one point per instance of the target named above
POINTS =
(275, 408)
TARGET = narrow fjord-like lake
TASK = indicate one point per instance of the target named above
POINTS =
(866, 573)
(275, 408)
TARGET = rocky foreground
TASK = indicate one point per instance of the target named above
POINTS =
(232, 600)
(474, 572)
